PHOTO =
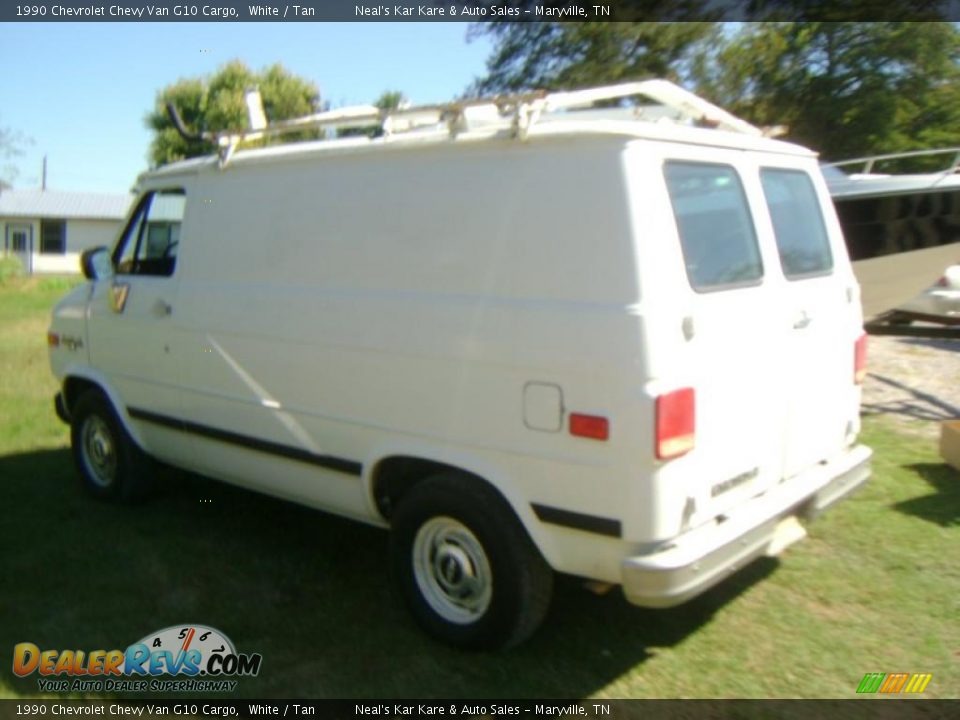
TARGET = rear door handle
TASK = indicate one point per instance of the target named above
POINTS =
(162, 308)
(801, 322)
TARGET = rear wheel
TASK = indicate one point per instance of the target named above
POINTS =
(110, 464)
(467, 568)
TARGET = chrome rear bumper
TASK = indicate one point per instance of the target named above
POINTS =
(765, 525)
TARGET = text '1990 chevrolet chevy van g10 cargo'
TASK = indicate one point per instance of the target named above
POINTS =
(527, 335)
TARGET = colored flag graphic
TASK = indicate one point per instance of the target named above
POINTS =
(890, 683)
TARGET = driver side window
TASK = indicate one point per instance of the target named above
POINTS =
(150, 241)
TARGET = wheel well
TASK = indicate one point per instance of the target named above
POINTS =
(73, 388)
(394, 476)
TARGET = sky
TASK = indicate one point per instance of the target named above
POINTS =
(80, 91)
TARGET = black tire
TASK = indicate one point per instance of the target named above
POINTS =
(469, 535)
(110, 464)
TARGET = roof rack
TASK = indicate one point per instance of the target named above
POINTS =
(519, 113)
(869, 162)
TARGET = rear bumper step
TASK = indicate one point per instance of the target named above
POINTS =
(765, 525)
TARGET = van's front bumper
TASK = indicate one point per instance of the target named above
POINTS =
(765, 525)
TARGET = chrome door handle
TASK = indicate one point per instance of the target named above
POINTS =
(801, 322)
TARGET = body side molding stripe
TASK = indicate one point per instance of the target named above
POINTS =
(251, 443)
(577, 521)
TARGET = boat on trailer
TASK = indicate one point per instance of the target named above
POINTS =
(902, 228)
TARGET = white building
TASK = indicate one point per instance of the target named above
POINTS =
(48, 229)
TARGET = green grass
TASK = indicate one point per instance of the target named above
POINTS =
(876, 587)
(10, 268)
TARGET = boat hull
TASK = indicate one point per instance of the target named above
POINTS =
(888, 281)
(899, 242)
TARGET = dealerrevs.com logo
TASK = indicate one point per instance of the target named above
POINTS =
(200, 658)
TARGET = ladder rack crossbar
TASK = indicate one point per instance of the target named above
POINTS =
(518, 112)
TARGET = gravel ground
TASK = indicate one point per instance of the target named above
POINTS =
(915, 382)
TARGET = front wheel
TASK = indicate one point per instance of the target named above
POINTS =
(466, 566)
(110, 464)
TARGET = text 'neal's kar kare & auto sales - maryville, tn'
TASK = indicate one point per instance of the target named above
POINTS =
(453, 10)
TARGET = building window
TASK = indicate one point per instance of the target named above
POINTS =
(53, 237)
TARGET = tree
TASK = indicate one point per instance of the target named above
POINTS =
(388, 100)
(11, 147)
(217, 103)
(565, 55)
(844, 88)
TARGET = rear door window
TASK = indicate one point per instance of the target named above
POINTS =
(797, 223)
(716, 230)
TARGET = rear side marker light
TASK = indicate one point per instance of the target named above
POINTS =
(53, 339)
(593, 427)
(675, 423)
(860, 359)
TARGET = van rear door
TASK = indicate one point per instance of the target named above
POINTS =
(732, 323)
(822, 321)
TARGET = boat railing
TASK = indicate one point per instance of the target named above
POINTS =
(868, 163)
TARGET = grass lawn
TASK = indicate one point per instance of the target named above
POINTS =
(875, 588)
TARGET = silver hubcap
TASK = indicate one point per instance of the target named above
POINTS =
(98, 451)
(452, 570)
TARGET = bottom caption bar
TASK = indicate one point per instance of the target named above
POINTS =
(589, 709)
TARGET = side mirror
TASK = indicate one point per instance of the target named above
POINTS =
(96, 263)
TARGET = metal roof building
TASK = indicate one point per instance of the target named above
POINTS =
(48, 229)
(36, 203)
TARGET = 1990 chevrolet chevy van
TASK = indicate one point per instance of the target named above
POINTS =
(525, 335)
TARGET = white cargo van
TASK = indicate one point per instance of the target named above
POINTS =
(624, 344)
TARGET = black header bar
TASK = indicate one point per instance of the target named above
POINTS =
(473, 10)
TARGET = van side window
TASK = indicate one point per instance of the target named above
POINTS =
(797, 223)
(716, 230)
(149, 243)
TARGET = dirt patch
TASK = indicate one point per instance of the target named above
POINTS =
(915, 382)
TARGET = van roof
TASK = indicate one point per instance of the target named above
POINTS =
(627, 131)
(675, 115)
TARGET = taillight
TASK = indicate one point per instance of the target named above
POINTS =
(589, 426)
(675, 423)
(860, 359)
(53, 339)
(942, 282)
